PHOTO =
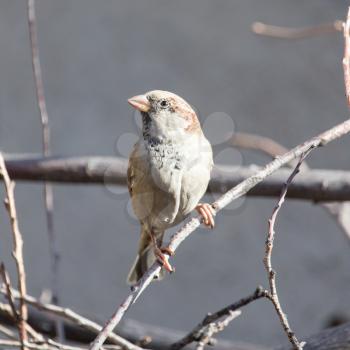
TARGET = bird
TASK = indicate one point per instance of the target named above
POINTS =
(168, 173)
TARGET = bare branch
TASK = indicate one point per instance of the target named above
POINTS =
(334, 338)
(316, 185)
(48, 191)
(236, 192)
(7, 332)
(346, 59)
(197, 332)
(273, 296)
(72, 316)
(296, 33)
(206, 338)
(50, 345)
(257, 143)
(17, 248)
(6, 279)
(339, 211)
(132, 330)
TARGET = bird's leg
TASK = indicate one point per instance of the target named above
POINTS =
(207, 212)
(160, 253)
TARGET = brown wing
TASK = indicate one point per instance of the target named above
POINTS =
(138, 168)
(132, 170)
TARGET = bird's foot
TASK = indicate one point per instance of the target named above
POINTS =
(163, 259)
(207, 212)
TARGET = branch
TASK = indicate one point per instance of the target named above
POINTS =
(7, 332)
(273, 296)
(236, 192)
(296, 33)
(206, 337)
(71, 316)
(335, 338)
(198, 331)
(339, 211)
(6, 279)
(17, 248)
(50, 345)
(134, 331)
(315, 185)
(346, 59)
(48, 192)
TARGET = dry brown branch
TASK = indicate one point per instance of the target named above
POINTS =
(17, 248)
(316, 185)
(273, 296)
(339, 211)
(72, 316)
(44, 119)
(196, 334)
(337, 338)
(132, 330)
(236, 192)
(296, 33)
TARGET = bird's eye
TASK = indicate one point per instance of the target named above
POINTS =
(164, 103)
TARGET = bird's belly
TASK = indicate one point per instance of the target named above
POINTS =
(194, 184)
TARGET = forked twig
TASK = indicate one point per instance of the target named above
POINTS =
(206, 338)
(197, 333)
(17, 249)
(273, 296)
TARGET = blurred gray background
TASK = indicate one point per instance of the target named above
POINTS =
(95, 55)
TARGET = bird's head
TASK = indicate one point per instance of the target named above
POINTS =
(166, 114)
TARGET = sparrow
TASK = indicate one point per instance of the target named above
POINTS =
(168, 173)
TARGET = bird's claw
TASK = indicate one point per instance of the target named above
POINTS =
(163, 259)
(207, 212)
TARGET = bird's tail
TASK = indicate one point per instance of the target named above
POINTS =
(144, 259)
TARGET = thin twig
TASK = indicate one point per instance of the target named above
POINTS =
(346, 59)
(72, 316)
(7, 332)
(17, 248)
(196, 333)
(6, 279)
(7, 310)
(50, 345)
(206, 338)
(296, 33)
(48, 191)
(16, 317)
(273, 296)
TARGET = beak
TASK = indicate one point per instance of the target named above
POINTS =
(140, 102)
